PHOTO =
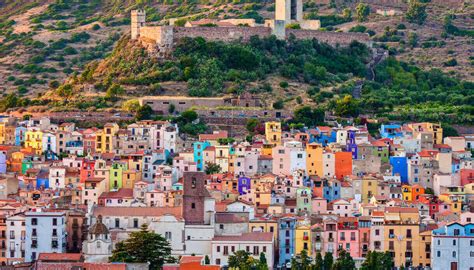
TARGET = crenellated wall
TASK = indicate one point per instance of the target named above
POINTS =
(225, 34)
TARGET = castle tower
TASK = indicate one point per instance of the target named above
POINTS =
(194, 197)
(98, 246)
(289, 10)
(137, 21)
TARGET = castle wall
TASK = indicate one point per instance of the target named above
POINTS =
(151, 32)
(225, 34)
(331, 38)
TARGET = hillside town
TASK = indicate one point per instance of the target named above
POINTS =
(69, 195)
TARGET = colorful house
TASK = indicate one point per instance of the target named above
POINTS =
(273, 133)
(400, 167)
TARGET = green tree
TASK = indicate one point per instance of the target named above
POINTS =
(377, 261)
(171, 108)
(207, 260)
(362, 12)
(114, 91)
(412, 39)
(309, 116)
(209, 80)
(242, 260)
(416, 12)
(143, 246)
(319, 264)
(344, 261)
(145, 112)
(212, 168)
(449, 131)
(328, 261)
(347, 13)
(278, 105)
(262, 262)
(251, 125)
(131, 105)
(347, 106)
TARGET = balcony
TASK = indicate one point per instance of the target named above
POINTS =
(305, 238)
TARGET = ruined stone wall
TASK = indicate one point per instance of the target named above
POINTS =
(225, 34)
(331, 38)
(150, 32)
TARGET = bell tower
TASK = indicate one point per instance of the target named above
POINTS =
(194, 196)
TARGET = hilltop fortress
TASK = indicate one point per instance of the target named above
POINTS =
(162, 38)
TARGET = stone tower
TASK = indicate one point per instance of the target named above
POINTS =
(137, 21)
(289, 11)
(194, 196)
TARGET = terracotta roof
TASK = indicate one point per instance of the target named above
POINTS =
(265, 157)
(246, 237)
(121, 193)
(56, 257)
(213, 136)
(227, 217)
(137, 211)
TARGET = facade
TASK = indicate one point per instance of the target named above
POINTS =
(45, 233)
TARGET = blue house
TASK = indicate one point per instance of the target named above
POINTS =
(3, 162)
(243, 184)
(323, 135)
(42, 179)
(332, 190)
(20, 135)
(351, 145)
(400, 167)
(198, 148)
(286, 238)
(391, 131)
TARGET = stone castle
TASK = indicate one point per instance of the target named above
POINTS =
(162, 38)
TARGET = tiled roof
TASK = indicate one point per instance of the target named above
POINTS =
(75, 257)
(137, 211)
(121, 193)
(246, 237)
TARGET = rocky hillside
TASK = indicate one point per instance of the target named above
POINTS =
(51, 53)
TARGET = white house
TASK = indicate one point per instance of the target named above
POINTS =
(253, 242)
(45, 233)
(16, 237)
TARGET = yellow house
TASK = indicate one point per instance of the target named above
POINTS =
(401, 235)
(425, 248)
(428, 127)
(130, 177)
(455, 201)
(105, 138)
(367, 187)
(222, 157)
(303, 238)
(264, 225)
(33, 139)
(7, 133)
(406, 193)
(314, 159)
(273, 132)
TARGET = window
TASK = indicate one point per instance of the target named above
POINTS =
(454, 242)
(438, 253)
(456, 231)
(193, 205)
(454, 254)
(135, 223)
(226, 250)
(218, 248)
(34, 221)
(117, 223)
(168, 236)
(256, 250)
(409, 233)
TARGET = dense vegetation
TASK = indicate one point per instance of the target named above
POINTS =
(212, 68)
(405, 92)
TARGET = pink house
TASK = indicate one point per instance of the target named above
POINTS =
(348, 235)
(281, 157)
(467, 176)
(319, 205)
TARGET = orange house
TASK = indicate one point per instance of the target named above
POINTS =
(416, 192)
(191, 263)
(343, 164)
